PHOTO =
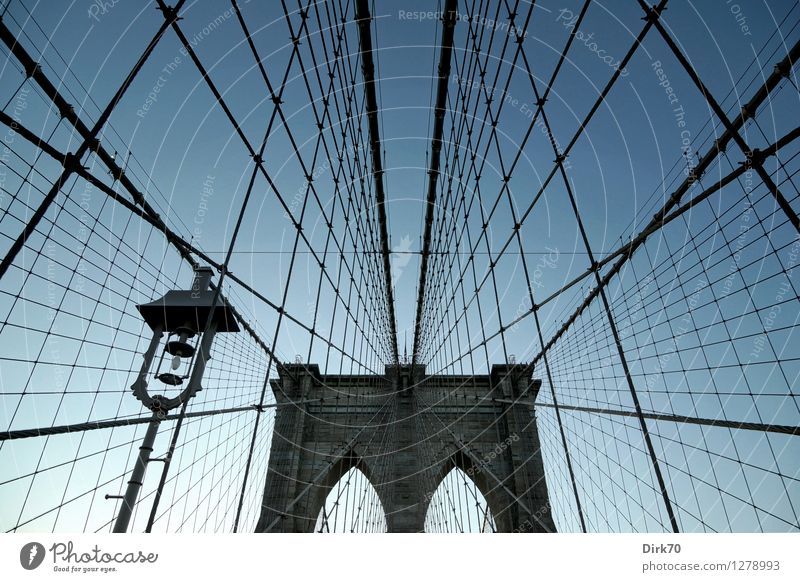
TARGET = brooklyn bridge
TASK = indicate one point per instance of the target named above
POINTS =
(352, 266)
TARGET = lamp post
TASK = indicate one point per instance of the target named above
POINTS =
(196, 314)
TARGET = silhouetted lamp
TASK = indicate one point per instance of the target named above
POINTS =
(190, 319)
(182, 315)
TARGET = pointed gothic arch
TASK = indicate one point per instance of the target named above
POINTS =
(458, 504)
(352, 504)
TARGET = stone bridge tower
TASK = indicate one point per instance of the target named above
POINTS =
(427, 425)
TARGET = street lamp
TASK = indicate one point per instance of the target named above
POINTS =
(197, 314)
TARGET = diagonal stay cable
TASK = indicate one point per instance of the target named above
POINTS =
(71, 161)
(626, 251)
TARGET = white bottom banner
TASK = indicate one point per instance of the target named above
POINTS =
(394, 557)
